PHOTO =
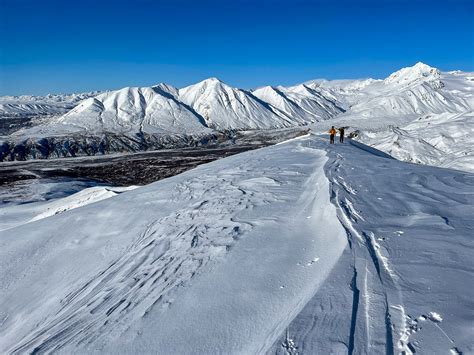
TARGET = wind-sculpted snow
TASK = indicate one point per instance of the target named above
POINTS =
(165, 256)
(402, 281)
(300, 247)
(19, 214)
(87, 278)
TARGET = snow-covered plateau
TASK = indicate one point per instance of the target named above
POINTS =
(299, 247)
(417, 114)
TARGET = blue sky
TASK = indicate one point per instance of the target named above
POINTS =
(54, 46)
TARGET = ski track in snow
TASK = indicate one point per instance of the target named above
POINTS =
(385, 296)
(394, 289)
(367, 262)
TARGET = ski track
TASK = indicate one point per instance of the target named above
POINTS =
(376, 287)
(370, 295)
(380, 321)
(366, 294)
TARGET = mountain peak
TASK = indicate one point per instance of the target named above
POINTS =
(421, 65)
(211, 83)
(419, 71)
(211, 80)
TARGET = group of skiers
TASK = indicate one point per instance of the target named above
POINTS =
(332, 134)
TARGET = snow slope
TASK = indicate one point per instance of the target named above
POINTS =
(417, 114)
(404, 278)
(442, 140)
(15, 215)
(135, 250)
(298, 245)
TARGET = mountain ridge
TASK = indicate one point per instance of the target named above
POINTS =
(404, 97)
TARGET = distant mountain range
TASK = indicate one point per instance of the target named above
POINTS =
(162, 112)
(30, 105)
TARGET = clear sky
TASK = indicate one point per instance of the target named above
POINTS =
(62, 46)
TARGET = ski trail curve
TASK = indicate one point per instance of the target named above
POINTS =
(395, 215)
(374, 284)
(409, 233)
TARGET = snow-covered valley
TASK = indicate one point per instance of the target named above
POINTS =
(298, 247)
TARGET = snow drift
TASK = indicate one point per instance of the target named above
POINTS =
(294, 247)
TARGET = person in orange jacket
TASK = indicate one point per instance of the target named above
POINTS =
(332, 133)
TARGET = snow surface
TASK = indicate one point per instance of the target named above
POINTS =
(443, 140)
(18, 214)
(296, 247)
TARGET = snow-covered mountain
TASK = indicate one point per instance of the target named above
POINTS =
(299, 247)
(151, 109)
(443, 140)
(224, 107)
(411, 91)
(417, 114)
(404, 114)
(302, 103)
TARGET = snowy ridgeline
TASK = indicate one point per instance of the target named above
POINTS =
(417, 114)
(299, 247)
(30, 105)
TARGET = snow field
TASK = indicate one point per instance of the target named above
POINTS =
(116, 270)
(409, 229)
(299, 247)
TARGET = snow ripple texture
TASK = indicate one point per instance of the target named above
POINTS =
(165, 256)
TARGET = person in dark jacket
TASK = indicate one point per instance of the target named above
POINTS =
(341, 134)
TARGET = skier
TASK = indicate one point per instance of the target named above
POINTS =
(341, 135)
(332, 133)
